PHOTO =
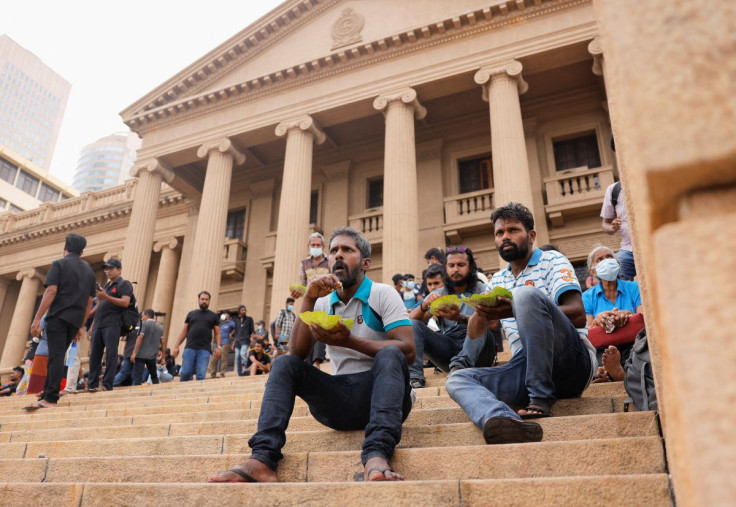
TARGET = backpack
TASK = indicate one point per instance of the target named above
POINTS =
(615, 191)
(639, 377)
(131, 316)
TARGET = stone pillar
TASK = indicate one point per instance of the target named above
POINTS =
(209, 239)
(22, 316)
(400, 201)
(293, 223)
(502, 86)
(184, 301)
(163, 294)
(139, 236)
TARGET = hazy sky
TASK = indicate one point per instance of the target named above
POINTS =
(113, 53)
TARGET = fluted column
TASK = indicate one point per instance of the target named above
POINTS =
(209, 239)
(139, 236)
(163, 294)
(400, 201)
(502, 86)
(296, 186)
(20, 326)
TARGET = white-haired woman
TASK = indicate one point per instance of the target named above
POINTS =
(614, 313)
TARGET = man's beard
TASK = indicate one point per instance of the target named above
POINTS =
(463, 282)
(517, 251)
(204, 306)
(350, 278)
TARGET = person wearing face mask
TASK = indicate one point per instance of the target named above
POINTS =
(613, 311)
(409, 292)
(284, 325)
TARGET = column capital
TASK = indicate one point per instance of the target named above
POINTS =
(29, 273)
(224, 145)
(407, 96)
(305, 123)
(596, 51)
(153, 165)
(510, 70)
(170, 243)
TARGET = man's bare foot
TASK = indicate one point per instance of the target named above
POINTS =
(39, 404)
(601, 376)
(612, 363)
(250, 471)
(378, 469)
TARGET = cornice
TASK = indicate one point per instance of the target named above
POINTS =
(416, 39)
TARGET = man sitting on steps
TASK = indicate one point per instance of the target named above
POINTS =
(370, 386)
(545, 327)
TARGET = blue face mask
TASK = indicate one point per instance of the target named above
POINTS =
(410, 284)
(290, 307)
(607, 269)
(315, 252)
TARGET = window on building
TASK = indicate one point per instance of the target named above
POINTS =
(375, 193)
(27, 183)
(48, 194)
(475, 174)
(235, 224)
(7, 171)
(313, 206)
(579, 150)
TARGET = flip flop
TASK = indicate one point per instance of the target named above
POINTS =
(245, 475)
(539, 412)
(33, 406)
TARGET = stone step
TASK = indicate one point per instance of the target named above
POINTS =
(635, 455)
(651, 490)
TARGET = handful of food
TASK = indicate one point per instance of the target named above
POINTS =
(444, 303)
(324, 320)
(301, 289)
(488, 299)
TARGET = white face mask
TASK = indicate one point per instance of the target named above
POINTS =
(290, 307)
(607, 269)
(315, 252)
(260, 328)
(410, 284)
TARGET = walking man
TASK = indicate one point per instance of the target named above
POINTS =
(199, 328)
(147, 345)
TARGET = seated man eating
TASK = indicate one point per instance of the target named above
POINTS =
(545, 327)
(369, 388)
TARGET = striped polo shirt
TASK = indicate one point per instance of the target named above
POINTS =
(376, 309)
(549, 272)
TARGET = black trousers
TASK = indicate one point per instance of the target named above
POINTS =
(138, 370)
(60, 335)
(107, 339)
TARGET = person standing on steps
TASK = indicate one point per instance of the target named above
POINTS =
(199, 328)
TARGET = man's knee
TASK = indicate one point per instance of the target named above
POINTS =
(529, 296)
(390, 353)
(286, 363)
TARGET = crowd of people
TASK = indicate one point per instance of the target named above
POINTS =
(560, 337)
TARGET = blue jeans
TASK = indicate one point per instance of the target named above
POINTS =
(126, 368)
(194, 361)
(445, 351)
(553, 363)
(628, 268)
(377, 400)
(241, 357)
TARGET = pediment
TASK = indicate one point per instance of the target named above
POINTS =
(309, 37)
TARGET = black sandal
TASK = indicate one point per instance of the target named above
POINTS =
(539, 412)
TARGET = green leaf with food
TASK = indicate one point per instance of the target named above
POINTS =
(444, 303)
(324, 320)
(301, 289)
(488, 299)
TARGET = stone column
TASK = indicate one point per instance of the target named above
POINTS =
(209, 239)
(139, 236)
(184, 301)
(20, 326)
(296, 186)
(400, 201)
(502, 86)
(163, 294)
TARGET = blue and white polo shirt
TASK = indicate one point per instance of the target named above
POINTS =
(549, 272)
(376, 309)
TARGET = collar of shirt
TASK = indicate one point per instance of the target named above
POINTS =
(363, 292)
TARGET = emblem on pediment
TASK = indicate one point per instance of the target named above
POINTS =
(346, 30)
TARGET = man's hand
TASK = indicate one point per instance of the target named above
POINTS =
(603, 318)
(78, 336)
(451, 312)
(322, 285)
(175, 351)
(132, 357)
(101, 294)
(621, 318)
(36, 328)
(503, 310)
(616, 224)
(296, 294)
(218, 353)
(429, 300)
(338, 336)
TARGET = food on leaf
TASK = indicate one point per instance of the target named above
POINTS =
(324, 320)
(444, 303)
(301, 289)
(488, 299)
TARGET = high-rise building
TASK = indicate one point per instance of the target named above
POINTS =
(32, 102)
(106, 162)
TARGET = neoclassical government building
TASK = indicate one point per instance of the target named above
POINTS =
(409, 120)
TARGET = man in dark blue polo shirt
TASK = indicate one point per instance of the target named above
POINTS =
(70, 287)
(105, 331)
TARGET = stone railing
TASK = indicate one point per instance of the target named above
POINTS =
(466, 208)
(369, 223)
(233, 262)
(576, 192)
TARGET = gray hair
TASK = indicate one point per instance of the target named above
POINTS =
(592, 253)
(363, 244)
(316, 235)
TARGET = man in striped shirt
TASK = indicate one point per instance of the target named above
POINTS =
(545, 327)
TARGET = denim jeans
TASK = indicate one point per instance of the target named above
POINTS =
(106, 338)
(126, 368)
(628, 268)
(445, 351)
(553, 363)
(194, 361)
(241, 358)
(377, 400)
(60, 335)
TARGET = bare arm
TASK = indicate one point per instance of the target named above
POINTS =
(421, 312)
(611, 225)
(401, 336)
(138, 343)
(122, 302)
(48, 297)
(180, 339)
(302, 340)
(571, 304)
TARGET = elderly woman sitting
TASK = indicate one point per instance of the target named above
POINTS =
(614, 313)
